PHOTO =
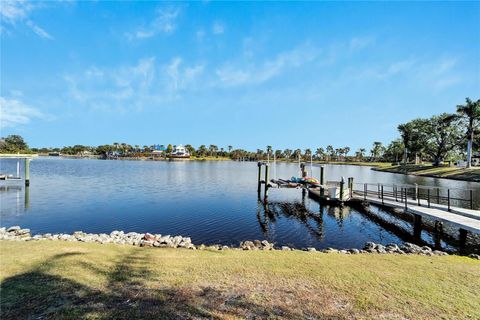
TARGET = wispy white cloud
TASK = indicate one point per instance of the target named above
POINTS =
(218, 28)
(357, 43)
(39, 31)
(132, 87)
(164, 22)
(233, 75)
(13, 12)
(14, 112)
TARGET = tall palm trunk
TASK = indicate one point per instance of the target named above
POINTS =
(469, 143)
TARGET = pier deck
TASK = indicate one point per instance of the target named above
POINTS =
(462, 218)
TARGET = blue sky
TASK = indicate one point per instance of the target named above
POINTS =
(286, 74)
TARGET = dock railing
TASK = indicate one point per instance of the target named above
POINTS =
(417, 195)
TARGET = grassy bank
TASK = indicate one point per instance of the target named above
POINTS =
(472, 174)
(82, 280)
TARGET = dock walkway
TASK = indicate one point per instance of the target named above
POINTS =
(462, 218)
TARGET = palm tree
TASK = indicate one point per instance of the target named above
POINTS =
(287, 153)
(377, 149)
(471, 112)
(213, 149)
(230, 148)
(320, 153)
(330, 151)
(298, 153)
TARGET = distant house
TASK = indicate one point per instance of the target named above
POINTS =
(158, 150)
(180, 152)
(476, 159)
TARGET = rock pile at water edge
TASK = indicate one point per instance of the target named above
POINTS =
(16, 233)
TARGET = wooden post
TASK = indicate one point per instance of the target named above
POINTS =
(342, 182)
(302, 168)
(259, 164)
(418, 195)
(448, 199)
(382, 195)
(27, 172)
(395, 191)
(416, 192)
(462, 239)
(438, 195)
(438, 231)
(322, 180)
(428, 197)
(378, 190)
(365, 189)
(406, 199)
(266, 180)
(417, 226)
(471, 199)
(350, 186)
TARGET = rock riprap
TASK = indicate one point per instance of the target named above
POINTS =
(16, 233)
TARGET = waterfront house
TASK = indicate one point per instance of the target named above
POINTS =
(158, 150)
(180, 152)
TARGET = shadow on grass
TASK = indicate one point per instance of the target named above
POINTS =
(39, 294)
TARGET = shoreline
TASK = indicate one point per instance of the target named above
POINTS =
(16, 233)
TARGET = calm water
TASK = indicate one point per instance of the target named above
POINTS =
(212, 202)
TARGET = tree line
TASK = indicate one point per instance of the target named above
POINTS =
(447, 136)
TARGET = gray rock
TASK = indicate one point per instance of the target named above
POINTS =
(354, 251)
(369, 246)
(285, 248)
(474, 256)
(13, 228)
(310, 249)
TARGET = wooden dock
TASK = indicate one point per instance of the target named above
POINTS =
(465, 219)
(438, 204)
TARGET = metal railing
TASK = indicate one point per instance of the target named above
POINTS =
(421, 195)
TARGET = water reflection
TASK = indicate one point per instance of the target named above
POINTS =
(269, 211)
(14, 199)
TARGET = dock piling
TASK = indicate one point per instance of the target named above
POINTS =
(382, 195)
(266, 180)
(462, 239)
(27, 172)
(350, 186)
(417, 226)
(259, 164)
(471, 199)
(342, 182)
(448, 199)
(322, 180)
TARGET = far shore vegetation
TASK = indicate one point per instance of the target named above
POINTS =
(425, 147)
(65, 280)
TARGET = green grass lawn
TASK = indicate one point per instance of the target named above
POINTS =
(58, 280)
(472, 174)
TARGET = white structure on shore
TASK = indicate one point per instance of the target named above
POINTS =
(180, 152)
